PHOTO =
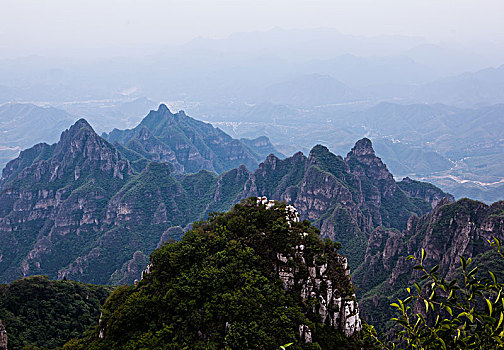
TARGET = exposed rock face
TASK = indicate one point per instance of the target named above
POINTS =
(3, 337)
(76, 209)
(340, 312)
(428, 192)
(462, 228)
(347, 198)
(188, 144)
(336, 306)
(79, 209)
(130, 270)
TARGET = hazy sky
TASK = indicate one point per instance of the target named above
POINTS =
(45, 26)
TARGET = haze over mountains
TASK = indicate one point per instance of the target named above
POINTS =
(251, 174)
(299, 88)
(435, 143)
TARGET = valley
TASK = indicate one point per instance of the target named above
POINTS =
(251, 175)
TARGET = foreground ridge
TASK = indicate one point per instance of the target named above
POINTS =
(255, 276)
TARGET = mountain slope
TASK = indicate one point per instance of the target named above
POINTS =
(309, 90)
(79, 209)
(346, 198)
(187, 144)
(462, 228)
(23, 125)
(39, 313)
(257, 278)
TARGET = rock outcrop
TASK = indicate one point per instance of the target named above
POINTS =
(78, 210)
(254, 273)
(3, 337)
(82, 208)
(336, 307)
(347, 198)
(428, 192)
(462, 228)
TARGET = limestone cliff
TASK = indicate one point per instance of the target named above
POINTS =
(347, 198)
(253, 277)
(81, 209)
(462, 228)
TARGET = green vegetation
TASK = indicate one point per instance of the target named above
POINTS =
(39, 313)
(464, 313)
(188, 144)
(218, 288)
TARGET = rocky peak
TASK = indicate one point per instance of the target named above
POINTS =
(79, 129)
(81, 147)
(317, 152)
(363, 147)
(364, 163)
(181, 113)
(270, 162)
(163, 109)
(154, 118)
(327, 161)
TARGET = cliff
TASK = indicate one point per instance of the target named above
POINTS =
(257, 276)
(80, 209)
(346, 198)
(462, 228)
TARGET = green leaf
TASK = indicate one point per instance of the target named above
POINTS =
(418, 288)
(473, 271)
(451, 294)
(493, 277)
(489, 303)
(501, 318)
(423, 256)
(463, 262)
(447, 308)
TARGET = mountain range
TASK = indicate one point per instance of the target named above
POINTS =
(428, 142)
(187, 144)
(91, 211)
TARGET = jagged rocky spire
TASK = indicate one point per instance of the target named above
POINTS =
(363, 147)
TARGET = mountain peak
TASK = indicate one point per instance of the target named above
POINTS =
(78, 127)
(163, 109)
(363, 147)
(81, 123)
(318, 149)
